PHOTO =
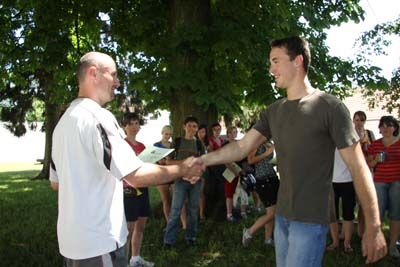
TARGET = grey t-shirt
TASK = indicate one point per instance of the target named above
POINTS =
(306, 132)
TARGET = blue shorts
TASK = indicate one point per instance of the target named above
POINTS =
(136, 206)
(389, 199)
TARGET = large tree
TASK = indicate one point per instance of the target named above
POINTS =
(198, 57)
(209, 58)
(41, 43)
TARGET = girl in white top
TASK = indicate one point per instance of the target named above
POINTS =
(344, 189)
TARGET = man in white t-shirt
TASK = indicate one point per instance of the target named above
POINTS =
(90, 158)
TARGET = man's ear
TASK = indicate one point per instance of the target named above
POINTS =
(299, 60)
(91, 72)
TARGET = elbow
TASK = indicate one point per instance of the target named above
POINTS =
(54, 186)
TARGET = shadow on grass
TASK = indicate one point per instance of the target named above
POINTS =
(28, 211)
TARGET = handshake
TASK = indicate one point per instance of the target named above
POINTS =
(192, 169)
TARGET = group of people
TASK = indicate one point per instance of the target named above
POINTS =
(92, 157)
(383, 158)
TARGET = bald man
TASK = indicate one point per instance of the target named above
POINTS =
(90, 158)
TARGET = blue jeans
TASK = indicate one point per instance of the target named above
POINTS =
(299, 244)
(389, 199)
(183, 189)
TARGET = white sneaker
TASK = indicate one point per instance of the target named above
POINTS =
(246, 237)
(140, 263)
(269, 242)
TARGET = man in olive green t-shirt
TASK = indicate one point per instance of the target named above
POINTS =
(306, 126)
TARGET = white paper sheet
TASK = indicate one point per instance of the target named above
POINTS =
(153, 154)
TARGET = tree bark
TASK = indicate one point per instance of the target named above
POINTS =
(51, 111)
(186, 14)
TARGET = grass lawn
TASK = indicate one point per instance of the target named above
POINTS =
(28, 212)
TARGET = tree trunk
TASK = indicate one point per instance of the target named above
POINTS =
(51, 111)
(50, 123)
(186, 14)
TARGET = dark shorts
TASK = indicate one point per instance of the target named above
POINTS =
(136, 206)
(267, 190)
(346, 192)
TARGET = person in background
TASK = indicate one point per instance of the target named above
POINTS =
(343, 189)
(185, 147)
(384, 159)
(216, 203)
(366, 136)
(366, 139)
(267, 185)
(202, 135)
(165, 189)
(136, 200)
(230, 187)
(89, 160)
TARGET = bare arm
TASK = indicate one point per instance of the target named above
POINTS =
(374, 245)
(54, 185)
(234, 151)
(151, 174)
(252, 158)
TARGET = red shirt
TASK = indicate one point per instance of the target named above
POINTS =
(138, 148)
(214, 144)
(389, 170)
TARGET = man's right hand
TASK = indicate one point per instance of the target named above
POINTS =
(192, 169)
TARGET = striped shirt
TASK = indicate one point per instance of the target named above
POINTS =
(389, 170)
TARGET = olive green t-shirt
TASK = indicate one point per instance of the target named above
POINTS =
(306, 132)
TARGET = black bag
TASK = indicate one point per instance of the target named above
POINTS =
(248, 182)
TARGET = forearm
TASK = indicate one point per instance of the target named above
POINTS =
(366, 193)
(227, 154)
(152, 174)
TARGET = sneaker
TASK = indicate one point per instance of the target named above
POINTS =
(394, 252)
(140, 263)
(269, 242)
(246, 237)
(231, 219)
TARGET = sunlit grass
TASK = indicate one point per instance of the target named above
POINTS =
(19, 166)
(28, 213)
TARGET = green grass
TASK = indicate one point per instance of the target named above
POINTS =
(28, 212)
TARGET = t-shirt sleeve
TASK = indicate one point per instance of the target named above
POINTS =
(113, 152)
(262, 125)
(341, 127)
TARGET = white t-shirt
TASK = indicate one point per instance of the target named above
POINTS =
(341, 173)
(89, 159)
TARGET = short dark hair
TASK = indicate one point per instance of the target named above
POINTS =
(295, 46)
(191, 119)
(131, 116)
(215, 124)
(390, 121)
(361, 115)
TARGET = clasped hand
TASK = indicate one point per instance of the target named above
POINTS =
(193, 168)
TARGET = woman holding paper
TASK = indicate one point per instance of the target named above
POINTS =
(267, 186)
(165, 190)
(231, 175)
